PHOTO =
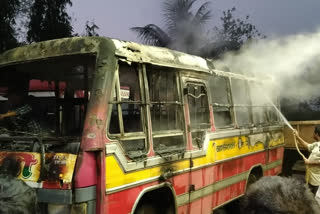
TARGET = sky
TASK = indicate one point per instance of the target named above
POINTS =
(273, 18)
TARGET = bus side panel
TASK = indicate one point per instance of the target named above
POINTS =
(183, 209)
(119, 183)
(213, 182)
(275, 161)
(181, 183)
(207, 203)
(195, 207)
(222, 182)
(217, 198)
(224, 170)
(276, 154)
(273, 171)
(123, 201)
(227, 194)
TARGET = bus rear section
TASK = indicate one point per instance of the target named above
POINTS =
(40, 143)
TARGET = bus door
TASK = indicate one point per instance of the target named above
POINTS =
(198, 123)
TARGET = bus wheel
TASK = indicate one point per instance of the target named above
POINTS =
(146, 209)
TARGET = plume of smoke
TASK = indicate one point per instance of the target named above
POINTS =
(292, 62)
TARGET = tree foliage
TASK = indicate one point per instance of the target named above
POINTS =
(91, 29)
(8, 12)
(232, 34)
(236, 30)
(184, 29)
(49, 20)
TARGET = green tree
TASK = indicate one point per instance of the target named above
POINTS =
(49, 20)
(8, 12)
(184, 29)
(91, 29)
(232, 34)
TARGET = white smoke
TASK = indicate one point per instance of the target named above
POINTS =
(293, 62)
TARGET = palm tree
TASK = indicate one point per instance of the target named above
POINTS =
(184, 30)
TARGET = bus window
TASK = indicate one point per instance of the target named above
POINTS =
(241, 100)
(114, 127)
(272, 114)
(165, 109)
(57, 90)
(259, 105)
(221, 101)
(263, 110)
(198, 111)
(126, 118)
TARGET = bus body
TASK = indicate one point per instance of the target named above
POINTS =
(129, 128)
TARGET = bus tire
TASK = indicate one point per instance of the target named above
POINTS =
(146, 209)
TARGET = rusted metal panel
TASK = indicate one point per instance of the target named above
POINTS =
(160, 56)
(52, 48)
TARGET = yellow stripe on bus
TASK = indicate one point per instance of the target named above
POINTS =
(116, 177)
(227, 148)
(217, 150)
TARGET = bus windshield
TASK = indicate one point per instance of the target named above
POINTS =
(45, 98)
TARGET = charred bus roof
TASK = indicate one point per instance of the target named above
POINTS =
(48, 49)
(103, 47)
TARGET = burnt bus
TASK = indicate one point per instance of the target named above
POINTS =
(108, 126)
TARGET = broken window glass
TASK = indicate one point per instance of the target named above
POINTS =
(165, 109)
(198, 106)
(259, 105)
(130, 98)
(272, 113)
(44, 102)
(126, 116)
(114, 127)
(221, 102)
(263, 111)
(56, 90)
(242, 102)
(198, 111)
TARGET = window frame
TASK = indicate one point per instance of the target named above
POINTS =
(248, 105)
(148, 134)
(254, 105)
(115, 92)
(229, 105)
(186, 79)
(199, 83)
(170, 132)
